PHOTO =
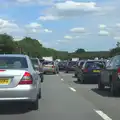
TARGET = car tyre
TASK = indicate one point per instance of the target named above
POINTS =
(35, 104)
(82, 81)
(101, 86)
(113, 89)
(39, 95)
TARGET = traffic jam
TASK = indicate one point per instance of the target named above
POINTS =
(104, 73)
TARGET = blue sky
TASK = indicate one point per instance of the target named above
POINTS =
(63, 24)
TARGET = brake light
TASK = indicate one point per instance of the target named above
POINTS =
(2, 70)
(26, 79)
(118, 71)
(85, 70)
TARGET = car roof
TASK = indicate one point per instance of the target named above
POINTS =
(13, 55)
(94, 61)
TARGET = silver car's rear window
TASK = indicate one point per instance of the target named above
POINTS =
(13, 63)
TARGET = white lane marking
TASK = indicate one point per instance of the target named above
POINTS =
(57, 74)
(72, 89)
(103, 115)
(62, 79)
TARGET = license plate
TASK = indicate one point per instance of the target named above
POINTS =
(96, 70)
(4, 81)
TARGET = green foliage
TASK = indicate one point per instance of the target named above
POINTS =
(34, 48)
(80, 50)
(7, 44)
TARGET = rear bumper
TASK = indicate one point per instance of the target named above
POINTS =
(70, 69)
(49, 70)
(19, 93)
(91, 76)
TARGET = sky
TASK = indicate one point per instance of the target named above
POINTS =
(66, 25)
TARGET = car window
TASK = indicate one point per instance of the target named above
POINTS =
(94, 64)
(48, 63)
(72, 63)
(13, 63)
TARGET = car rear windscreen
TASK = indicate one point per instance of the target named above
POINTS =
(94, 64)
(72, 63)
(13, 63)
(48, 63)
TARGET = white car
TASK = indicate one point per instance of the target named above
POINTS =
(18, 80)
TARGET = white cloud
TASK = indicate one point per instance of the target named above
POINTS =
(69, 9)
(47, 31)
(7, 26)
(78, 30)
(68, 37)
(102, 26)
(104, 33)
(117, 38)
(49, 17)
(117, 24)
(34, 25)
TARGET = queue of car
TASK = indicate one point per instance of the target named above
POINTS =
(21, 76)
(106, 73)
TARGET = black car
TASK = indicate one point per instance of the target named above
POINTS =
(90, 70)
(71, 65)
(110, 76)
(62, 65)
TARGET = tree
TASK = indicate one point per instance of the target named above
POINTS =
(7, 45)
(118, 44)
(80, 50)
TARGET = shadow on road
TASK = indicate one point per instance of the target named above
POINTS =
(87, 82)
(104, 93)
(14, 108)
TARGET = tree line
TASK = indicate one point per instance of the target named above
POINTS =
(34, 48)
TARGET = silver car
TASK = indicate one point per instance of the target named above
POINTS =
(50, 67)
(18, 80)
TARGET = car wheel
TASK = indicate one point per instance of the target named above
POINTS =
(39, 95)
(101, 86)
(113, 89)
(66, 71)
(82, 80)
(35, 104)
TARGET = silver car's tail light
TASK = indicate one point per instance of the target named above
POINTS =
(26, 79)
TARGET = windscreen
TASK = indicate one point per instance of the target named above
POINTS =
(13, 63)
(61, 63)
(94, 65)
(48, 63)
(72, 63)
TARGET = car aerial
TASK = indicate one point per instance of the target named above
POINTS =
(90, 71)
(38, 67)
(70, 66)
(78, 67)
(50, 67)
(110, 76)
(62, 65)
(18, 80)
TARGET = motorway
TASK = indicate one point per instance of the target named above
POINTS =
(65, 99)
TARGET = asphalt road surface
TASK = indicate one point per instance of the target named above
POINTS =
(65, 99)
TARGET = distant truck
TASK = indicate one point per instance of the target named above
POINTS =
(75, 59)
(48, 58)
